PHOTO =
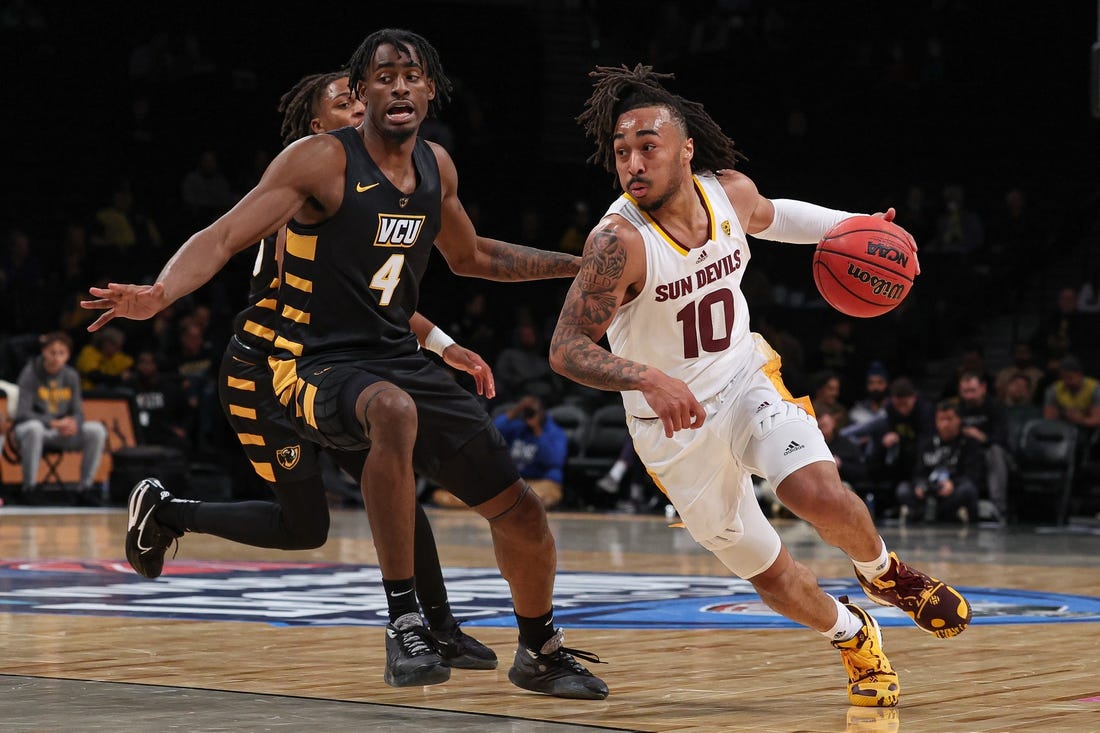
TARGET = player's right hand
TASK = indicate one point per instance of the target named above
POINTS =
(463, 359)
(136, 302)
(674, 403)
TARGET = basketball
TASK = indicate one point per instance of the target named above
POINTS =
(864, 266)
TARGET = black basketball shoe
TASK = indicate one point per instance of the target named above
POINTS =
(147, 539)
(411, 655)
(553, 671)
(462, 651)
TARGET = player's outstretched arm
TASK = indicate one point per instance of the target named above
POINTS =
(613, 266)
(469, 255)
(297, 172)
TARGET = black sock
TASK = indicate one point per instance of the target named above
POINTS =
(534, 632)
(439, 617)
(401, 597)
(178, 515)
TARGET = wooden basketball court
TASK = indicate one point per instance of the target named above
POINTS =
(98, 672)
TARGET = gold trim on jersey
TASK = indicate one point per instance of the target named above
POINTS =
(251, 439)
(246, 385)
(267, 304)
(293, 314)
(264, 471)
(308, 399)
(274, 284)
(298, 283)
(301, 246)
(257, 330)
(284, 375)
(681, 249)
(292, 346)
(247, 413)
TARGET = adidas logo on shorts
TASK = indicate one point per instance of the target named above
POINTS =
(792, 448)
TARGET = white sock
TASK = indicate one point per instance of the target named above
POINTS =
(874, 568)
(617, 470)
(847, 624)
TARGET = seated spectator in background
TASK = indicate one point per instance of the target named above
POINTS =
(127, 238)
(50, 414)
(826, 397)
(206, 191)
(642, 495)
(949, 469)
(538, 446)
(1075, 399)
(972, 361)
(848, 455)
(1023, 362)
(22, 286)
(1019, 407)
(890, 441)
(1064, 330)
(875, 394)
(102, 363)
(524, 368)
(985, 423)
(163, 412)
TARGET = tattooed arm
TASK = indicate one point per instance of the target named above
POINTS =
(469, 255)
(613, 272)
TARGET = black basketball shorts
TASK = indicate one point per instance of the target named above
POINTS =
(457, 444)
(273, 446)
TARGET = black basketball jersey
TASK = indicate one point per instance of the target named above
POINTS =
(351, 282)
(255, 325)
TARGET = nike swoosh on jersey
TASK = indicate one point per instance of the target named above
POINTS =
(360, 188)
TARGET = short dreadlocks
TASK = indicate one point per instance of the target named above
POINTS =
(405, 42)
(299, 106)
(619, 89)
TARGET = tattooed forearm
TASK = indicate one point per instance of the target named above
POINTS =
(589, 306)
(498, 260)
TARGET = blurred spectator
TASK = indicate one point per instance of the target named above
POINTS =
(850, 461)
(576, 233)
(837, 351)
(472, 327)
(915, 215)
(826, 397)
(22, 285)
(538, 446)
(163, 412)
(524, 368)
(971, 361)
(206, 191)
(1023, 362)
(1019, 407)
(948, 471)
(1075, 398)
(127, 238)
(890, 441)
(959, 231)
(50, 414)
(1063, 329)
(875, 393)
(984, 422)
(102, 363)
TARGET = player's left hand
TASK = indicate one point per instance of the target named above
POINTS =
(461, 358)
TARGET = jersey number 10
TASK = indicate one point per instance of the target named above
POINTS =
(697, 318)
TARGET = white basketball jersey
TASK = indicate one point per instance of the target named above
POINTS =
(690, 320)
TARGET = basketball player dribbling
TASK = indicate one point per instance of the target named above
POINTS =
(363, 207)
(705, 403)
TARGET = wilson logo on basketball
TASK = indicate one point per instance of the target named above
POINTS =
(888, 252)
(288, 456)
(395, 230)
(879, 285)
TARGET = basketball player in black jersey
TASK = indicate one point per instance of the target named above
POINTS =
(363, 207)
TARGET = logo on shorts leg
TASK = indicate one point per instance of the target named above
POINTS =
(288, 456)
(792, 448)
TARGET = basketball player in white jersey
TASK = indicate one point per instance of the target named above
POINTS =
(706, 407)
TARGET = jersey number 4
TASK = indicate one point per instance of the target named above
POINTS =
(698, 321)
(387, 278)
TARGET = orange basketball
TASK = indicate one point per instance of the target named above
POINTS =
(864, 266)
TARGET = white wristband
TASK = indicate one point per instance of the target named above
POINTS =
(801, 223)
(437, 341)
